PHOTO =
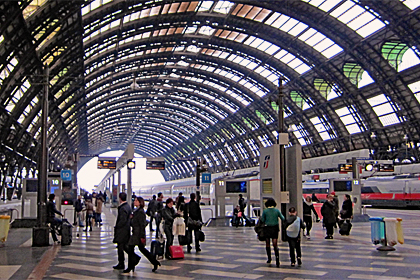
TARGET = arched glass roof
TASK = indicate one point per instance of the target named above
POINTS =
(198, 78)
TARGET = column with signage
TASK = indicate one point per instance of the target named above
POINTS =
(67, 195)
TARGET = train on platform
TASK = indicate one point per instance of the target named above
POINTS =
(397, 191)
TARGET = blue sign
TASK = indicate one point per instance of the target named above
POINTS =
(206, 178)
(66, 175)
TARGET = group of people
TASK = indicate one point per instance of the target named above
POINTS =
(165, 214)
(239, 212)
(89, 207)
(293, 224)
(331, 214)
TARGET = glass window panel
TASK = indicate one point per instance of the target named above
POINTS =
(389, 119)
(354, 128)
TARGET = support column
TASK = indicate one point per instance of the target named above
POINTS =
(129, 190)
(40, 234)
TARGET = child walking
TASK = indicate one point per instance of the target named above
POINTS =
(293, 227)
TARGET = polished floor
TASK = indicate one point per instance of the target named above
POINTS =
(227, 253)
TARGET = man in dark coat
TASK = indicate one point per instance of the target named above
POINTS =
(151, 211)
(159, 208)
(193, 211)
(329, 217)
(122, 230)
(51, 211)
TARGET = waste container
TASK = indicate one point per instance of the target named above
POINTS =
(400, 234)
(4, 227)
(377, 232)
(391, 231)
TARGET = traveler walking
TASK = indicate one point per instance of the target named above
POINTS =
(122, 229)
(194, 220)
(168, 216)
(308, 209)
(138, 238)
(78, 207)
(270, 218)
(347, 208)
(293, 227)
(89, 214)
(159, 208)
(99, 205)
(151, 212)
(329, 217)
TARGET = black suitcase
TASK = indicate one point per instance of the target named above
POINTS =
(66, 233)
(183, 240)
(345, 228)
(157, 249)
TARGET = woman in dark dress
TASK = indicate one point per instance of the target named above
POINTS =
(138, 237)
(347, 208)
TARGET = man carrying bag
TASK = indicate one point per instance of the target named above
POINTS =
(192, 216)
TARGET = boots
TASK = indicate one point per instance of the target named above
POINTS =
(276, 251)
(268, 250)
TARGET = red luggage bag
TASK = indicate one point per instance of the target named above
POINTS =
(176, 252)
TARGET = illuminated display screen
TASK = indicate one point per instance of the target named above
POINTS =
(345, 167)
(236, 187)
(386, 168)
(107, 164)
(155, 164)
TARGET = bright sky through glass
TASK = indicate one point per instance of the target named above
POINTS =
(90, 175)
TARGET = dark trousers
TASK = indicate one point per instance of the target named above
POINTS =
(169, 239)
(121, 248)
(55, 223)
(196, 236)
(89, 221)
(151, 221)
(330, 229)
(133, 257)
(308, 222)
(158, 219)
(294, 244)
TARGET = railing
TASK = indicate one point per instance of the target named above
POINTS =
(211, 210)
(71, 209)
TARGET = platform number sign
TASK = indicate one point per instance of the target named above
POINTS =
(66, 175)
(206, 178)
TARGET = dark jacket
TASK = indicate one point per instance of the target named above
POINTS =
(138, 224)
(122, 226)
(78, 205)
(168, 214)
(152, 207)
(346, 210)
(308, 207)
(159, 207)
(328, 212)
(52, 210)
(192, 209)
(242, 204)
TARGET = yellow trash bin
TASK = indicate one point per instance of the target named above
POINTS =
(4, 227)
(400, 232)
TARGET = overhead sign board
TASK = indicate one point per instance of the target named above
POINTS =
(65, 175)
(157, 163)
(107, 163)
(205, 178)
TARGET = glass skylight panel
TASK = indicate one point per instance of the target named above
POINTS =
(223, 7)
(327, 5)
(366, 80)
(206, 30)
(412, 4)
(298, 29)
(272, 49)
(414, 87)
(409, 59)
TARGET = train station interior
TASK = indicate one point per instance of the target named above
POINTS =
(205, 90)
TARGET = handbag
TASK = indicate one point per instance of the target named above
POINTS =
(201, 236)
(193, 223)
(259, 230)
(239, 214)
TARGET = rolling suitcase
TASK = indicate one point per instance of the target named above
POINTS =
(176, 252)
(157, 249)
(66, 234)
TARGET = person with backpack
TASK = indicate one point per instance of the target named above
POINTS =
(151, 212)
(270, 218)
(78, 207)
(294, 225)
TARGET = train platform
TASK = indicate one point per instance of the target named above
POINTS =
(227, 253)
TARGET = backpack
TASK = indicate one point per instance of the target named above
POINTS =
(293, 229)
